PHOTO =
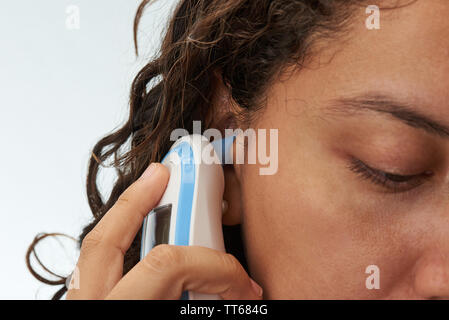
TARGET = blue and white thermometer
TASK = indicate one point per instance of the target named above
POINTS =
(190, 211)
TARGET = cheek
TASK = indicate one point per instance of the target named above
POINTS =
(308, 235)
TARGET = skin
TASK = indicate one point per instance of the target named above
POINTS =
(311, 230)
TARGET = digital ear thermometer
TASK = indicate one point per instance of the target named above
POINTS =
(190, 211)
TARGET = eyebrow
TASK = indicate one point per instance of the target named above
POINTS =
(400, 110)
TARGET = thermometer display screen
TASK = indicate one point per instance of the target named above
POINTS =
(160, 218)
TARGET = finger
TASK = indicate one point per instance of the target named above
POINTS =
(101, 258)
(168, 270)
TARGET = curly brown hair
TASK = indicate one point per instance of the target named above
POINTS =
(242, 43)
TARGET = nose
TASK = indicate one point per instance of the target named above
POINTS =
(431, 276)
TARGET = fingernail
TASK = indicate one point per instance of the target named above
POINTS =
(149, 171)
(256, 288)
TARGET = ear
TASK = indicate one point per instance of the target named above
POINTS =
(233, 190)
(222, 115)
(232, 195)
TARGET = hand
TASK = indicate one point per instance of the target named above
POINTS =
(167, 270)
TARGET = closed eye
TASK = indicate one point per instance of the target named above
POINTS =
(393, 182)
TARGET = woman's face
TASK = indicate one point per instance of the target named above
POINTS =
(376, 103)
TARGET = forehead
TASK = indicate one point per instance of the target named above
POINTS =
(413, 37)
(408, 57)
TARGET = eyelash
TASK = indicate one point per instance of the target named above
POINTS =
(393, 182)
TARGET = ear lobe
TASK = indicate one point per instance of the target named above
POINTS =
(232, 195)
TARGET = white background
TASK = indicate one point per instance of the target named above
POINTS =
(61, 90)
